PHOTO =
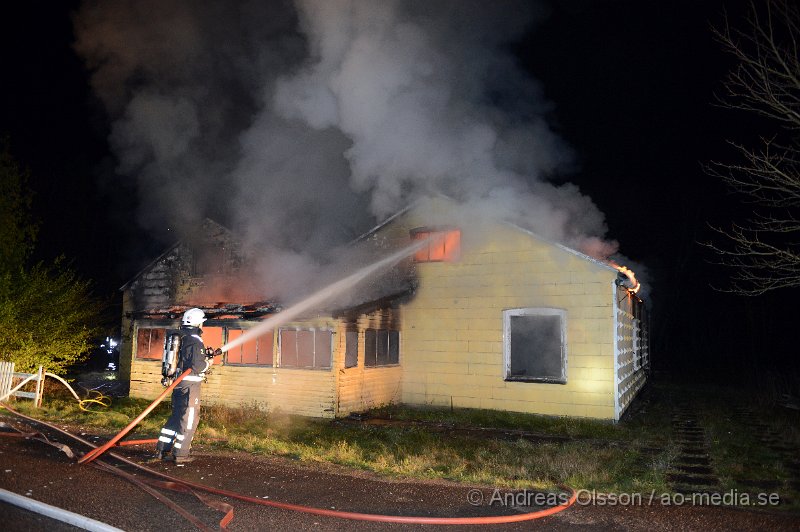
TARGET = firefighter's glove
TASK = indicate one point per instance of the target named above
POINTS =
(211, 352)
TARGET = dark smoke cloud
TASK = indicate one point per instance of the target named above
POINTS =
(299, 124)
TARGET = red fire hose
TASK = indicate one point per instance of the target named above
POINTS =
(94, 453)
(486, 520)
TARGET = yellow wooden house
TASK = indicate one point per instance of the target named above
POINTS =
(495, 318)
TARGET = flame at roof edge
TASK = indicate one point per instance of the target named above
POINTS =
(633, 285)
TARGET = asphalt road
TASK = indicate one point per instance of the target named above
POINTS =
(36, 470)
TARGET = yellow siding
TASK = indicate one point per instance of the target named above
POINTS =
(360, 388)
(305, 392)
(452, 344)
(296, 391)
(146, 379)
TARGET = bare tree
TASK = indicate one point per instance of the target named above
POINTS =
(763, 252)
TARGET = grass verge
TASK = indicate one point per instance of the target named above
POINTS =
(499, 449)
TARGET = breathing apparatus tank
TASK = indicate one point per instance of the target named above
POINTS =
(169, 360)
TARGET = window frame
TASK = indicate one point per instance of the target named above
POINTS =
(534, 311)
(244, 327)
(389, 334)
(279, 363)
(415, 233)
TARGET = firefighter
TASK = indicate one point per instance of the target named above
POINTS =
(175, 439)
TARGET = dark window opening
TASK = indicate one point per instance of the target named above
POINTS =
(535, 345)
(369, 347)
(351, 349)
(394, 347)
(381, 347)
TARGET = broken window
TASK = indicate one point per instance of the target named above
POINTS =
(150, 343)
(257, 351)
(306, 348)
(381, 347)
(443, 245)
(535, 345)
(351, 349)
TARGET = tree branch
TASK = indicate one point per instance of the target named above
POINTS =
(766, 82)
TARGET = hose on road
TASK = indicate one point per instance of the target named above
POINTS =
(91, 455)
(483, 520)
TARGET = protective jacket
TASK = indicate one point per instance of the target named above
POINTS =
(192, 355)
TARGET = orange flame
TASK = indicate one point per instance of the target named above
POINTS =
(634, 284)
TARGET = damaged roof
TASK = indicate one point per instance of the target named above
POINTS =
(208, 226)
(216, 311)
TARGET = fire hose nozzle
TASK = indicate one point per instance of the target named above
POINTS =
(211, 352)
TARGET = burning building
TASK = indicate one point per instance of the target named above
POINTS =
(495, 317)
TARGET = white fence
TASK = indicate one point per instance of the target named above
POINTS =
(8, 376)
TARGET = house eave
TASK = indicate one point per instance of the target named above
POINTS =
(149, 266)
(562, 247)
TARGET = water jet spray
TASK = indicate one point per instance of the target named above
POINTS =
(324, 294)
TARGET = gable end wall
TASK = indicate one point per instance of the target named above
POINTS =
(452, 347)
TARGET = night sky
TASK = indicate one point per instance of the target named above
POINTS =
(632, 86)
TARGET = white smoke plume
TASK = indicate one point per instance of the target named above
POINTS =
(301, 124)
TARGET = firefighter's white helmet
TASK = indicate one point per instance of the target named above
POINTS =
(193, 317)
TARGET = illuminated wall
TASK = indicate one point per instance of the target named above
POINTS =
(453, 343)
